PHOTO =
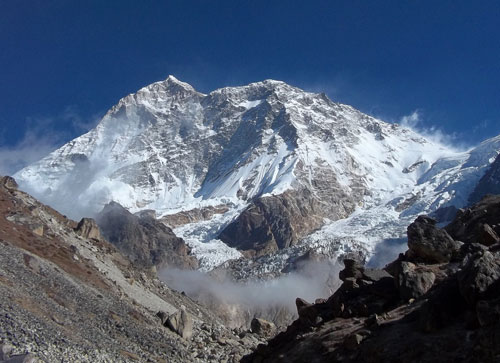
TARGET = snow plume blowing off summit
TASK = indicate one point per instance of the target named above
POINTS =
(272, 299)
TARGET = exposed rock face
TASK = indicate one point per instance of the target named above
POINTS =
(429, 243)
(444, 302)
(262, 327)
(193, 215)
(8, 182)
(479, 223)
(143, 239)
(273, 222)
(413, 281)
(488, 184)
(88, 228)
(480, 277)
(5, 351)
(181, 323)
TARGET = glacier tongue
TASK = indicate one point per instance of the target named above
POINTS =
(173, 149)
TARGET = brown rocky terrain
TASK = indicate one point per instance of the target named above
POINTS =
(66, 294)
(438, 302)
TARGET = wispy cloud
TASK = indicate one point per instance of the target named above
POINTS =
(416, 122)
(41, 136)
(412, 120)
(311, 280)
(481, 126)
(31, 148)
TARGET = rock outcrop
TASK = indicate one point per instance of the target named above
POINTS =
(488, 184)
(478, 223)
(88, 228)
(144, 239)
(262, 327)
(275, 222)
(181, 323)
(8, 182)
(426, 242)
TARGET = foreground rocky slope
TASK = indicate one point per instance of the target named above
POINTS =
(438, 302)
(66, 294)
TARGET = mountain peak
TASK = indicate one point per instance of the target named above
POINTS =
(173, 80)
(171, 149)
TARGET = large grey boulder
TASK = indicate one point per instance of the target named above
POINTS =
(478, 224)
(5, 351)
(480, 278)
(181, 323)
(8, 182)
(22, 358)
(88, 228)
(413, 281)
(430, 244)
(262, 327)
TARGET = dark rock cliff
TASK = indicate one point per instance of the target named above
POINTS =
(488, 184)
(143, 239)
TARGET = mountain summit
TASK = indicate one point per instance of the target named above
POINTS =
(261, 167)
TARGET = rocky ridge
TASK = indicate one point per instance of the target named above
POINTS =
(66, 294)
(437, 302)
(143, 239)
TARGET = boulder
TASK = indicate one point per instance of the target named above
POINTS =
(163, 317)
(301, 304)
(307, 312)
(181, 323)
(480, 277)
(352, 269)
(413, 281)
(5, 351)
(22, 358)
(469, 225)
(430, 244)
(88, 228)
(486, 235)
(375, 275)
(262, 327)
(9, 182)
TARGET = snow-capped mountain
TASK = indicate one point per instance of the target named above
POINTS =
(262, 167)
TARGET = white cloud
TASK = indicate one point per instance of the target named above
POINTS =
(412, 120)
(33, 146)
(416, 122)
(42, 136)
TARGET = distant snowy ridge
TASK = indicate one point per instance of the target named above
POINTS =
(172, 149)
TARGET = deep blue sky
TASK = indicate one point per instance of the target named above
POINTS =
(64, 63)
